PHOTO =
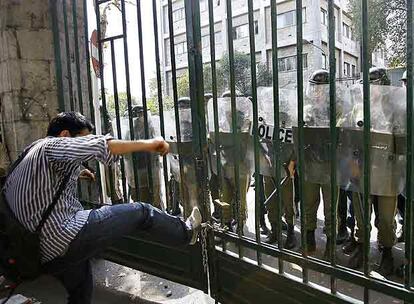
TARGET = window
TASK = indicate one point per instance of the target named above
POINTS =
(203, 5)
(347, 31)
(324, 17)
(288, 64)
(178, 14)
(324, 61)
(353, 71)
(217, 38)
(242, 31)
(205, 41)
(180, 48)
(289, 18)
(237, 3)
(347, 69)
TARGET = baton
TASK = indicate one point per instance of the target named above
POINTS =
(282, 182)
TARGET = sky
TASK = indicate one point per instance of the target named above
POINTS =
(115, 28)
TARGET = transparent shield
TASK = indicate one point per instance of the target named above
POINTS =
(317, 141)
(266, 129)
(228, 150)
(387, 148)
(142, 158)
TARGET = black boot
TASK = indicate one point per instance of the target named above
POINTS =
(343, 234)
(310, 241)
(386, 266)
(350, 245)
(357, 257)
(264, 230)
(284, 225)
(272, 237)
(290, 242)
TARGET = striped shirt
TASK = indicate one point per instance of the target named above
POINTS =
(32, 185)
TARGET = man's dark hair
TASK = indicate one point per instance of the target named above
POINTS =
(74, 122)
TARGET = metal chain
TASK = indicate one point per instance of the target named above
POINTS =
(205, 227)
(204, 247)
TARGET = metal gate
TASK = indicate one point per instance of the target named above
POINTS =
(221, 158)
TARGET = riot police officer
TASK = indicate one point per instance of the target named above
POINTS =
(387, 112)
(227, 153)
(317, 164)
(181, 159)
(287, 118)
(147, 192)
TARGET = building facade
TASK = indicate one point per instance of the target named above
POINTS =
(315, 37)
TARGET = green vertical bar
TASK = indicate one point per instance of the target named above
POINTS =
(78, 72)
(410, 99)
(214, 86)
(257, 209)
(236, 136)
(144, 97)
(196, 84)
(88, 60)
(333, 135)
(175, 92)
(217, 136)
(68, 60)
(58, 59)
(212, 249)
(102, 80)
(159, 91)
(89, 71)
(128, 91)
(299, 59)
(118, 119)
(276, 138)
(365, 62)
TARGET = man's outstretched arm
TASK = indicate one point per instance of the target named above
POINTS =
(155, 145)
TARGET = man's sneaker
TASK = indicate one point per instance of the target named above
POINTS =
(193, 224)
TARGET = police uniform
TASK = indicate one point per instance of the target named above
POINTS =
(227, 152)
(387, 204)
(287, 118)
(317, 162)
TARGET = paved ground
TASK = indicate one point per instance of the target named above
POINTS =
(116, 284)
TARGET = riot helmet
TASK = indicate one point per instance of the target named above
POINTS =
(319, 77)
(136, 111)
(228, 94)
(316, 88)
(404, 79)
(378, 76)
(207, 97)
(184, 103)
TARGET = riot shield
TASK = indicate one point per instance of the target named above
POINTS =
(387, 145)
(142, 160)
(182, 151)
(317, 141)
(266, 129)
(178, 148)
(227, 141)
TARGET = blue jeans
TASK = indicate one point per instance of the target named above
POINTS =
(105, 226)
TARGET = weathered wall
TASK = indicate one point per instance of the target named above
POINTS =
(27, 73)
(28, 82)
